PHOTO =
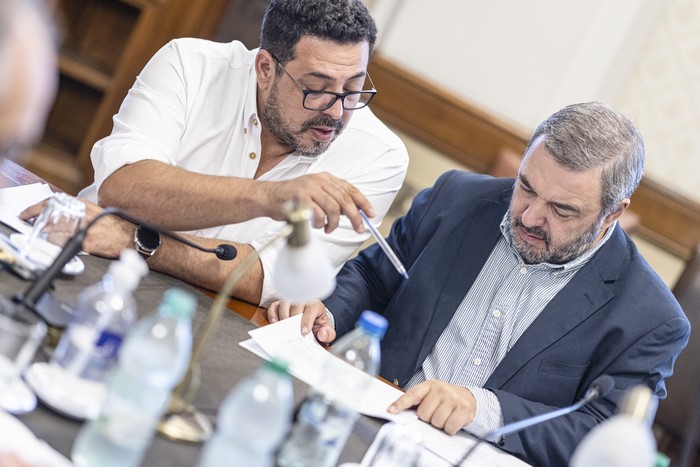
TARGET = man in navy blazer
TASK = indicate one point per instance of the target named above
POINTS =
(520, 295)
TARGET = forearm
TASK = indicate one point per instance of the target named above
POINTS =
(205, 269)
(179, 200)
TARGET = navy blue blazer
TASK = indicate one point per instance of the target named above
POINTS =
(614, 317)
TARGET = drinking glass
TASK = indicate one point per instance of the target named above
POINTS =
(21, 333)
(397, 446)
(58, 221)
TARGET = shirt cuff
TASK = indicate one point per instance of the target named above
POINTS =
(331, 317)
(489, 414)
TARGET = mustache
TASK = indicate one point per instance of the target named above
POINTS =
(534, 231)
(323, 121)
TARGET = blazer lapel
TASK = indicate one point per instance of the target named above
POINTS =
(475, 246)
(580, 298)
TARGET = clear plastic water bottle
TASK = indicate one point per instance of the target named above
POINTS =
(326, 417)
(253, 420)
(153, 359)
(103, 314)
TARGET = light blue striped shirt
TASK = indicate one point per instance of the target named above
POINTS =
(507, 296)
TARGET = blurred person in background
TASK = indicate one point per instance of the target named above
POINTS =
(28, 73)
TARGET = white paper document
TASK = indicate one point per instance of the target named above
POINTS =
(306, 358)
(16, 199)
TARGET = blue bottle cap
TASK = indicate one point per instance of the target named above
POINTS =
(373, 323)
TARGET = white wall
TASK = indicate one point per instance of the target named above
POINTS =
(520, 59)
(662, 96)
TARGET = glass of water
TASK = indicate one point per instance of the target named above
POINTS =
(60, 219)
(396, 446)
(21, 333)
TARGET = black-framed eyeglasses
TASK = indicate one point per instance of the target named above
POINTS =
(322, 100)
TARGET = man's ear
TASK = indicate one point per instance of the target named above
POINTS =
(621, 208)
(264, 68)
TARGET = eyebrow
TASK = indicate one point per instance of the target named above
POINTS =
(562, 206)
(323, 76)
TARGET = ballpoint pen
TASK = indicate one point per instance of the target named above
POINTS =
(385, 247)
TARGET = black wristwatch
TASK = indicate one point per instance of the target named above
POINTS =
(146, 241)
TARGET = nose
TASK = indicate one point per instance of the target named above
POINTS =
(336, 110)
(534, 215)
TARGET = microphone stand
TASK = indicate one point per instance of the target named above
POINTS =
(600, 387)
(183, 422)
(56, 313)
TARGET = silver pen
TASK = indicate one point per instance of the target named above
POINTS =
(385, 247)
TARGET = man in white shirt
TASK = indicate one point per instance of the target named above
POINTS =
(213, 139)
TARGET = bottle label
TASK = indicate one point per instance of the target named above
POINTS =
(108, 344)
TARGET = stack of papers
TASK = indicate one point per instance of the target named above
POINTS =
(306, 359)
(16, 199)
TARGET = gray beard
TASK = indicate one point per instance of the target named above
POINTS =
(562, 254)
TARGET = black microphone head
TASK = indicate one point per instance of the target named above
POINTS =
(226, 252)
(603, 384)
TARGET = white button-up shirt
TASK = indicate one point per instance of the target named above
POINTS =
(194, 106)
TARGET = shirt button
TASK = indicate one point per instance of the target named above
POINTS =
(255, 121)
(252, 155)
(477, 361)
(496, 313)
(245, 130)
(523, 270)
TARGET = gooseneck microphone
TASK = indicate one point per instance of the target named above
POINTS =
(224, 251)
(600, 387)
(58, 314)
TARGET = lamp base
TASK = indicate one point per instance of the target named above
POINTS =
(187, 424)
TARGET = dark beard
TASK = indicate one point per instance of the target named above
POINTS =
(561, 254)
(272, 119)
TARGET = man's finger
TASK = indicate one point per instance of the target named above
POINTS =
(311, 313)
(455, 422)
(325, 333)
(32, 211)
(272, 312)
(296, 309)
(439, 415)
(411, 398)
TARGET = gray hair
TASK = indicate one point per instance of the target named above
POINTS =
(593, 135)
(342, 21)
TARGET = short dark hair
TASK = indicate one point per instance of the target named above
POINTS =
(342, 21)
(593, 135)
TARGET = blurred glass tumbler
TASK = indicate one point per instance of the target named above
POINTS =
(58, 221)
(398, 446)
(20, 336)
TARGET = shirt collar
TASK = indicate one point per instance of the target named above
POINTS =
(251, 113)
(572, 265)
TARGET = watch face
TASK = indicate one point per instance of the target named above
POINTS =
(148, 238)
